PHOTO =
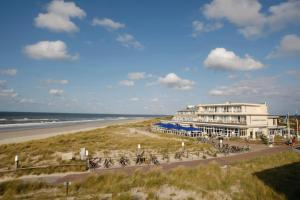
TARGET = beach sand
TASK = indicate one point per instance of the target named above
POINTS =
(34, 133)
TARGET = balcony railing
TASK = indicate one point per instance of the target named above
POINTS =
(243, 122)
(221, 111)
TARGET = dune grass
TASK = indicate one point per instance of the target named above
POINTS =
(112, 138)
(239, 181)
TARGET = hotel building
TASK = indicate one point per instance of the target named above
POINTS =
(248, 120)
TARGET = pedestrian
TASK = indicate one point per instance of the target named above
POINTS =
(289, 141)
(293, 141)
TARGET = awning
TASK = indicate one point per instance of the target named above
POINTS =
(178, 127)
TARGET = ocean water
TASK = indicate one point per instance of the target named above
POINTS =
(29, 119)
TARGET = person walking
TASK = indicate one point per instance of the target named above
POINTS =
(293, 141)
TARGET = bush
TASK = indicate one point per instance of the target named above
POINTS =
(264, 139)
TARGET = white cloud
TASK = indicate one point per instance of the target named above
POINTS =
(232, 76)
(56, 92)
(199, 27)
(8, 93)
(171, 80)
(283, 14)
(58, 16)
(238, 12)
(149, 84)
(150, 75)
(187, 69)
(2, 83)
(51, 103)
(8, 72)
(135, 99)
(109, 87)
(190, 69)
(247, 15)
(250, 87)
(56, 50)
(126, 83)
(128, 40)
(26, 100)
(289, 46)
(108, 24)
(136, 75)
(220, 58)
(52, 81)
(155, 99)
(261, 89)
(295, 73)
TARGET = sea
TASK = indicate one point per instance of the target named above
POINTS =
(13, 120)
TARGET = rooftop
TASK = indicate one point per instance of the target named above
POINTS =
(189, 109)
(233, 104)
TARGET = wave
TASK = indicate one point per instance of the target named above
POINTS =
(53, 122)
(33, 119)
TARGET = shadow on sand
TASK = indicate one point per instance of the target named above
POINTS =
(284, 179)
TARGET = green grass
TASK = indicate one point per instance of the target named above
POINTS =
(242, 180)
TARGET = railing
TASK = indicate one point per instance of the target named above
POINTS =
(208, 121)
(222, 122)
(220, 111)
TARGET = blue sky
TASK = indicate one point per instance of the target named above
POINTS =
(148, 57)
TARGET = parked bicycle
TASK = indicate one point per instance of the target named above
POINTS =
(94, 163)
(178, 155)
(124, 161)
(108, 162)
(140, 158)
(154, 159)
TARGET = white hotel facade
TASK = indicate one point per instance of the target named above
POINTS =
(248, 120)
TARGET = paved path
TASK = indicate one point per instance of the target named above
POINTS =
(169, 166)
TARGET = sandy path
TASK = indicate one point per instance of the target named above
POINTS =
(35, 133)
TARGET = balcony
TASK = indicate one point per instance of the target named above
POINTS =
(180, 119)
(241, 122)
(219, 111)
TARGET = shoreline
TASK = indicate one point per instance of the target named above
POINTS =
(36, 133)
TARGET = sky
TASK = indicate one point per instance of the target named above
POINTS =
(148, 57)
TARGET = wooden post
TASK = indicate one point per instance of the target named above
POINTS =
(297, 128)
(183, 148)
(67, 183)
(288, 126)
(221, 143)
(87, 160)
(16, 162)
(67, 189)
(139, 149)
(182, 145)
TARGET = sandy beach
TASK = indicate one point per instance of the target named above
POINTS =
(34, 133)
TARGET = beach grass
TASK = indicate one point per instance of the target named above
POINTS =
(109, 140)
(241, 180)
